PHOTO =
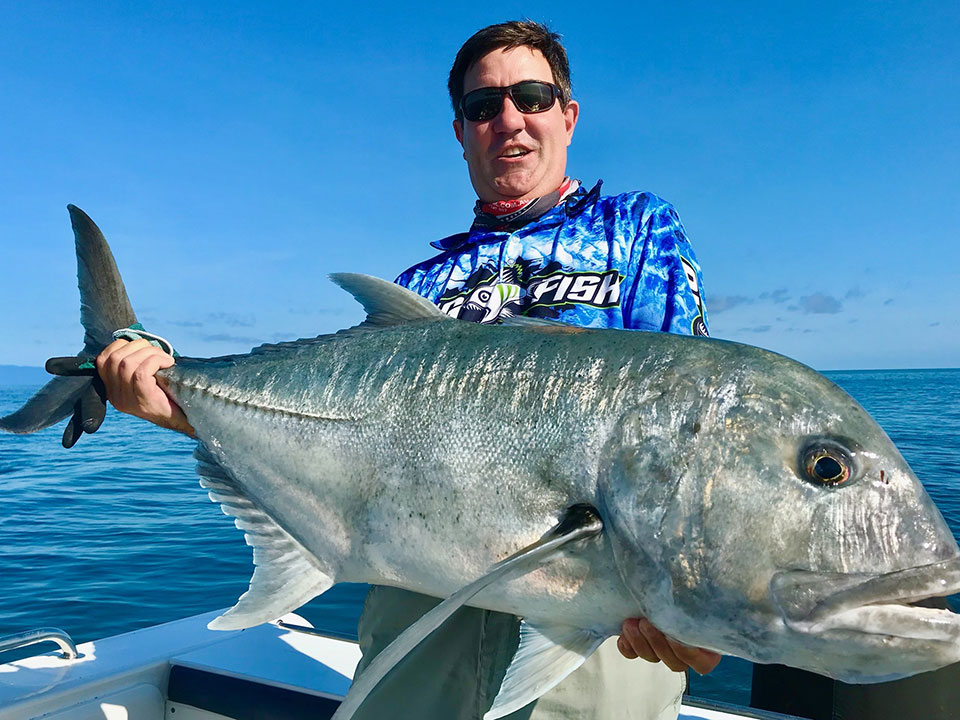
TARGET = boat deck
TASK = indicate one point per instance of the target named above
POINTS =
(183, 671)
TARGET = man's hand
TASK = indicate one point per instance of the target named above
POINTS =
(128, 370)
(639, 638)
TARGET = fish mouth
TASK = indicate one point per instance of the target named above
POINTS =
(886, 606)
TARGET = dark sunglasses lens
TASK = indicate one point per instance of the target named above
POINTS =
(529, 97)
(482, 104)
(533, 97)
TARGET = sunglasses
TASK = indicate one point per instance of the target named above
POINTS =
(529, 96)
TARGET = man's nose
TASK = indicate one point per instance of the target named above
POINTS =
(510, 119)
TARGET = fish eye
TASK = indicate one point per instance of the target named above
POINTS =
(827, 464)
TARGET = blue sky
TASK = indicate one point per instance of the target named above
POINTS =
(236, 153)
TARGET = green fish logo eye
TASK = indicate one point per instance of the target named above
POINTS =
(826, 465)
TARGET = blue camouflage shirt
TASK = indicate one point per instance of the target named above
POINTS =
(618, 262)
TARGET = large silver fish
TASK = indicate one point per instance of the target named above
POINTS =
(748, 505)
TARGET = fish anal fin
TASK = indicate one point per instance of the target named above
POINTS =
(546, 655)
(286, 575)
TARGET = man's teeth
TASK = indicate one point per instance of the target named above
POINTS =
(514, 153)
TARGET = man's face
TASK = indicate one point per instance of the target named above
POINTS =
(515, 156)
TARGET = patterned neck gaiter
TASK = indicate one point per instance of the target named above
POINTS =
(512, 214)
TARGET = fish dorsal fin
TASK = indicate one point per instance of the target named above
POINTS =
(285, 576)
(547, 654)
(386, 303)
(578, 522)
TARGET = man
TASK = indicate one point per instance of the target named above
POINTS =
(542, 246)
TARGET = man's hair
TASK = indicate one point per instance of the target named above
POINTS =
(506, 36)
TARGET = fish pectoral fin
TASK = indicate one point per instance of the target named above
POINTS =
(577, 523)
(546, 655)
(285, 576)
(385, 302)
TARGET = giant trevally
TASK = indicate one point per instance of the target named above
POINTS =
(747, 504)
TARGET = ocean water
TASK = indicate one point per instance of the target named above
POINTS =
(116, 534)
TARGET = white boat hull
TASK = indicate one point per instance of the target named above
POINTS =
(183, 671)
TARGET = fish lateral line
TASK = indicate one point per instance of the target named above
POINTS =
(261, 407)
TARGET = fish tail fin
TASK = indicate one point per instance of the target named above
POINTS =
(104, 308)
(104, 305)
(51, 404)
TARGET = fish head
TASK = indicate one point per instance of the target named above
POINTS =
(755, 508)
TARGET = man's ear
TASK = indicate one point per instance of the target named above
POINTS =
(458, 130)
(570, 114)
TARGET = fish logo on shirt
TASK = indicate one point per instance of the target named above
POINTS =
(489, 295)
(495, 295)
(493, 301)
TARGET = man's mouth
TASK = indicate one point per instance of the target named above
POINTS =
(514, 153)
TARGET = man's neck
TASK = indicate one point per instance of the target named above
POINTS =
(510, 214)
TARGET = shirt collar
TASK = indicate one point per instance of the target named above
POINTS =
(574, 204)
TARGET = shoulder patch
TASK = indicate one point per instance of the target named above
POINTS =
(698, 326)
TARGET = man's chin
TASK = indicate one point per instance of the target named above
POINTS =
(517, 186)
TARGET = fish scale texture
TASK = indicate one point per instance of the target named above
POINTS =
(404, 418)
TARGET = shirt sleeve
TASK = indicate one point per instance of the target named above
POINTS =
(405, 279)
(665, 292)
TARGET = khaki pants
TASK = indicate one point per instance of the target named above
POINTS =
(455, 673)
